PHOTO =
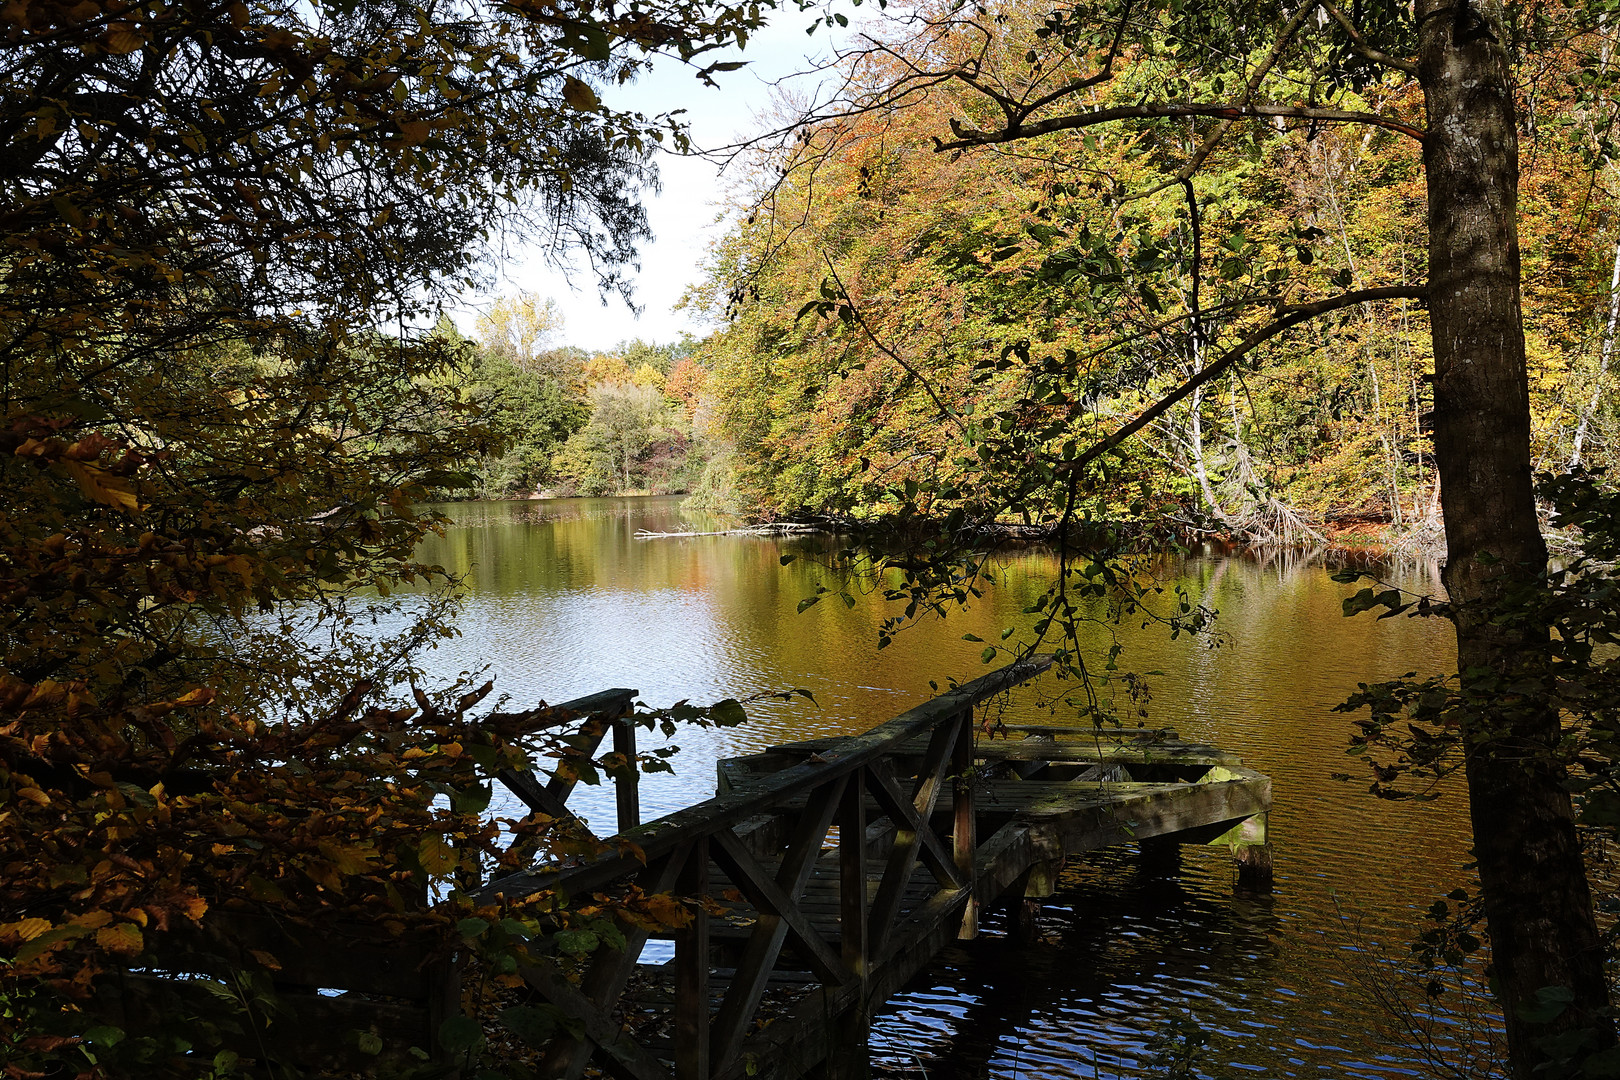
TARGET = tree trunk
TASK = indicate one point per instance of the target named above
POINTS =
(1538, 906)
(1603, 363)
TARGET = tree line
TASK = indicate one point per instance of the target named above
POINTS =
(566, 422)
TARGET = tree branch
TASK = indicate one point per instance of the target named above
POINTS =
(1358, 41)
(968, 137)
(944, 409)
(1210, 372)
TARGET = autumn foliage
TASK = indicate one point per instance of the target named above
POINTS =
(222, 223)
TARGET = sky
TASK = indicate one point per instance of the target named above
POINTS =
(682, 216)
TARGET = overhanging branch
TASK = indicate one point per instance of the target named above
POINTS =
(969, 137)
(1293, 317)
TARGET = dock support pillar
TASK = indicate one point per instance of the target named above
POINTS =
(692, 972)
(1251, 848)
(1161, 857)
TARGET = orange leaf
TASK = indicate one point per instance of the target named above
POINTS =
(266, 959)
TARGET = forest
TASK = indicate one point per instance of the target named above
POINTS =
(960, 271)
(566, 422)
(1084, 272)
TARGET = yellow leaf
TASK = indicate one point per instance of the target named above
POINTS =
(580, 96)
(194, 908)
(437, 856)
(27, 930)
(348, 860)
(122, 938)
(92, 920)
(102, 486)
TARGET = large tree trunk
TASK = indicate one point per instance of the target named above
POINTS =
(1538, 906)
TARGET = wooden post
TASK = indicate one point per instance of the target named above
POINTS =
(627, 788)
(849, 1057)
(1251, 847)
(964, 826)
(692, 972)
(1160, 857)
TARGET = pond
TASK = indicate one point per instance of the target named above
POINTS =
(563, 599)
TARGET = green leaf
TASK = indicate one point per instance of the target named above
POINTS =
(459, 1034)
(577, 942)
(808, 603)
(369, 1042)
(472, 928)
(532, 1024)
(728, 713)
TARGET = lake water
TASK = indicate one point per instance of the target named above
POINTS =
(563, 600)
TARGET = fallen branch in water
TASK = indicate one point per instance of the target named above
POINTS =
(770, 528)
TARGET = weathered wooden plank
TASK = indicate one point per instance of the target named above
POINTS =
(626, 789)
(1085, 821)
(965, 823)
(751, 878)
(605, 979)
(1106, 753)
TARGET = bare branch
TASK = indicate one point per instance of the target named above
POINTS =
(968, 137)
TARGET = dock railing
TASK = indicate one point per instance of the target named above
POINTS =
(862, 812)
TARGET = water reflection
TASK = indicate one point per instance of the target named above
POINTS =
(565, 600)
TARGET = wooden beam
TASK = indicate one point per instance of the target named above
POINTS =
(626, 788)
(849, 1056)
(769, 898)
(608, 973)
(747, 989)
(692, 971)
(624, 1056)
(965, 820)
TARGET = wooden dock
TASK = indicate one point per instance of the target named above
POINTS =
(835, 870)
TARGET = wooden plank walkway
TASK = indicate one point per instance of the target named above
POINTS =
(835, 869)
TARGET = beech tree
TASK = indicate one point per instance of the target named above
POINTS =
(1449, 76)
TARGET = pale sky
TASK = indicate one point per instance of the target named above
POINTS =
(682, 216)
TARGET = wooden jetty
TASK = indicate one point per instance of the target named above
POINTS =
(835, 870)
